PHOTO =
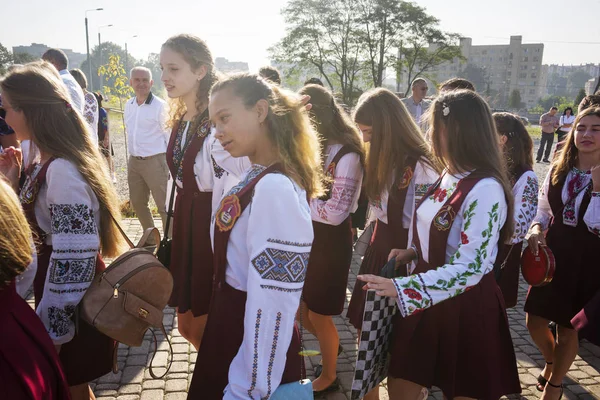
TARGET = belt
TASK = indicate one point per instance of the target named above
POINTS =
(146, 158)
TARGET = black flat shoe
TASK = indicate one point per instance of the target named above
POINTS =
(319, 367)
(334, 387)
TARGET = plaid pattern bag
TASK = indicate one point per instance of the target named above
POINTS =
(373, 351)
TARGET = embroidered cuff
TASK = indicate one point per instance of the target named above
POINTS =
(400, 300)
(595, 194)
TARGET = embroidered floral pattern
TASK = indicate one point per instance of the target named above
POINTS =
(420, 190)
(30, 187)
(280, 289)
(464, 239)
(342, 194)
(60, 319)
(284, 242)
(439, 195)
(255, 358)
(254, 171)
(76, 219)
(580, 181)
(179, 149)
(273, 351)
(217, 169)
(91, 108)
(526, 209)
(65, 271)
(281, 266)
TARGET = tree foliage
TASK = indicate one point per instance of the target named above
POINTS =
(114, 72)
(5, 59)
(580, 96)
(100, 55)
(477, 75)
(514, 101)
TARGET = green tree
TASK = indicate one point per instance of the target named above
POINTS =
(580, 96)
(101, 56)
(514, 100)
(118, 84)
(153, 64)
(23, 58)
(576, 80)
(323, 35)
(477, 75)
(424, 46)
(5, 59)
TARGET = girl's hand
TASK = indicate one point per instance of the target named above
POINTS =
(10, 165)
(382, 286)
(536, 239)
(305, 100)
(403, 256)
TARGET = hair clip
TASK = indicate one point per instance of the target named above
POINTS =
(445, 109)
(68, 105)
(510, 134)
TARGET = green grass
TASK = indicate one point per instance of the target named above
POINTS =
(534, 131)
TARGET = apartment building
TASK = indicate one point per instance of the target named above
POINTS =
(508, 67)
(37, 49)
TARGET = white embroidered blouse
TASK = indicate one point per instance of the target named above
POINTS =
(68, 211)
(345, 191)
(471, 248)
(267, 256)
(581, 181)
(526, 203)
(423, 178)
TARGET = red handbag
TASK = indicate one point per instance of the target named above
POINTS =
(538, 270)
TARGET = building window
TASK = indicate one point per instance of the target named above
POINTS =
(534, 75)
(531, 91)
(523, 75)
(536, 59)
(523, 67)
(484, 52)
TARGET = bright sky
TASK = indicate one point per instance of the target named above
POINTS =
(243, 30)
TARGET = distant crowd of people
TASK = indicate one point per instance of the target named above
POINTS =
(264, 189)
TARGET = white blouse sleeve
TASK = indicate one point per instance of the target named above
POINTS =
(592, 215)
(526, 203)
(25, 280)
(483, 216)
(75, 242)
(279, 240)
(344, 192)
(544, 212)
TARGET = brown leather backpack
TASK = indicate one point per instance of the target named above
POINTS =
(129, 296)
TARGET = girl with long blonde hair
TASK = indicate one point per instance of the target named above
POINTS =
(262, 235)
(70, 204)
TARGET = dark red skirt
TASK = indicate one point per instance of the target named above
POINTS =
(462, 345)
(89, 355)
(222, 339)
(376, 256)
(509, 275)
(29, 366)
(576, 278)
(191, 253)
(328, 267)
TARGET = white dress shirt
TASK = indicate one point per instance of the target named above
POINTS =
(146, 126)
(74, 89)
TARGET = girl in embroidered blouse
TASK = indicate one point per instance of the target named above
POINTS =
(188, 73)
(517, 148)
(69, 200)
(30, 368)
(262, 234)
(453, 332)
(327, 275)
(569, 209)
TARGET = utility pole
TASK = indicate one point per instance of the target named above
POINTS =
(87, 43)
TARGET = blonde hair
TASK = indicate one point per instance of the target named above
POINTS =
(196, 53)
(331, 121)
(15, 236)
(471, 142)
(568, 154)
(60, 131)
(395, 137)
(289, 128)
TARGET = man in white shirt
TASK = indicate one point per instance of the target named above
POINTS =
(59, 59)
(148, 137)
(416, 104)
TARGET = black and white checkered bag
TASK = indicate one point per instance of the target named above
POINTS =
(373, 356)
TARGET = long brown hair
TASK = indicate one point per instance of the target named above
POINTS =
(15, 236)
(289, 128)
(331, 121)
(59, 130)
(395, 137)
(196, 53)
(569, 153)
(471, 142)
(518, 149)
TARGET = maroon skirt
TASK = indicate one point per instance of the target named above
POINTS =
(461, 345)
(90, 354)
(509, 275)
(191, 253)
(328, 267)
(376, 256)
(222, 339)
(29, 366)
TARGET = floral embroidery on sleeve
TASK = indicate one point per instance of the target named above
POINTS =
(525, 209)
(439, 195)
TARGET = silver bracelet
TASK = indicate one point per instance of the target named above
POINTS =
(414, 248)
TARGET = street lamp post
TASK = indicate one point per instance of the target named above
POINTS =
(100, 52)
(87, 44)
(127, 56)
